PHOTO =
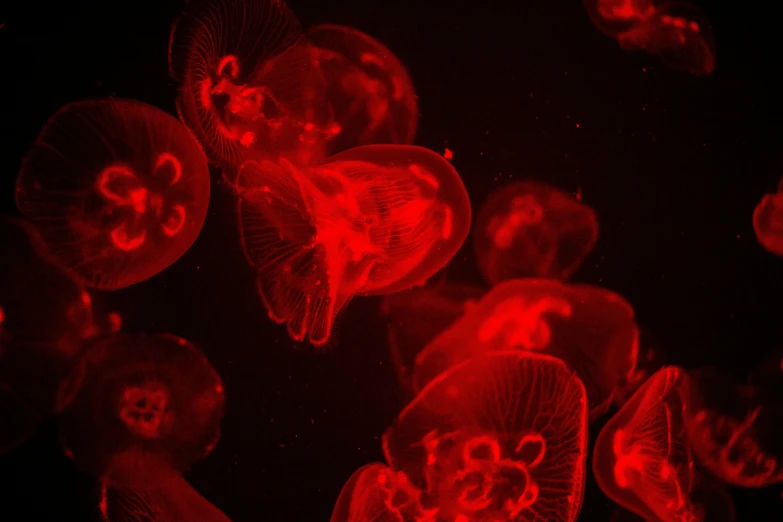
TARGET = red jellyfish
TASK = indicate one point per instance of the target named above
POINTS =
(250, 85)
(501, 437)
(735, 429)
(375, 219)
(679, 34)
(415, 317)
(768, 221)
(531, 229)
(141, 409)
(613, 17)
(368, 89)
(118, 189)
(642, 459)
(45, 317)
(590, 328)
(375, 493)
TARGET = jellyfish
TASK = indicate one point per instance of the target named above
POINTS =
(768, 221)
(498, 437)
(530, 229)
(415, 317)
(642, 459)
(650, 359)
(118, 190)
(613, 17)
(373, 220)
(678, 34)
(590, 328)
(250, 86)
(376, 493)
(141, 409)
(734, 429)
(45, 318)
(368, 89)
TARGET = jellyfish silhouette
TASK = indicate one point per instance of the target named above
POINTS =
(367, 87)
(250, 84)
(591, 329)
(118, 189)
(376, 219)
(768, 221)
(530, 229)
(498, 437)
(141, 409)
(613, 17)
(45, 318)
(642, 459)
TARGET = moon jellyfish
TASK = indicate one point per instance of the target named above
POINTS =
(415, 317)
(499, 437)
(531, 229)
(250, 85)
(372, 220)
(118, 189)
(141, 409)
(642, 459)
(679, 34)
(376, 493)
(734, 429)
(613, 17)
(368, 89)
(590, 328)
(45, 317)
(768, 221)
(170, 500)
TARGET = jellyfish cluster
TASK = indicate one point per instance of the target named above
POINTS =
(311, 132)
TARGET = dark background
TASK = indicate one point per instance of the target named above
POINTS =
(673, 165)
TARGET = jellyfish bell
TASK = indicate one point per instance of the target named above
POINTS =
(768, 222)
(499, 437)
(679, 34)
(590, 328)
(45, 318)
(250, 86)
(530, 229)
(642, 459)
(372, 220)
(140, 409)
(368, 88)
(118, 190)
(415, 317)
(375, 492)
(613, 17)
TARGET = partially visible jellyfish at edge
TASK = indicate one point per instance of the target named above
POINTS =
(768, 221)
(117, 188)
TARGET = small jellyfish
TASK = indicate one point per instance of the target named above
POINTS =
(368, 89)
(45, 318)
(169, 500)
(590, 328)
(415, 317)
(118, 189)
(502, 436)
(141, 409)
(250, 86)
(734, 429)
(613, 17)
(373, 220)
(679, 34)
(642, 459)
(768, 221)
(375, 493)
(531, 229)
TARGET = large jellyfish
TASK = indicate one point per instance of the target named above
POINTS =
(118, 189)
(141, 409)
(250, 85)
(642, 459)
(368, 89)
(45, 317)
(530, 229)
(501, 437)
(590, 328)
(375, 219)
